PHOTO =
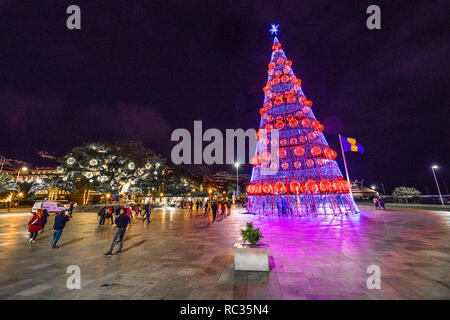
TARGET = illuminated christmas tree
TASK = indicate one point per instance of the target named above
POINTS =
(294, 171)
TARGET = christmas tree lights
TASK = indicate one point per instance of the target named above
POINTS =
(302, 178)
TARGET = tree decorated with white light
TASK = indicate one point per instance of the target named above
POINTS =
(118, 168)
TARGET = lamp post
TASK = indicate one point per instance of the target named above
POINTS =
(18, 172)
(382, 185)
(437, 184)
(237, 179)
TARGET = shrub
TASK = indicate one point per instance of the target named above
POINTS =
(251, 234)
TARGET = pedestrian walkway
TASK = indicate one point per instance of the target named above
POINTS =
(185, 256)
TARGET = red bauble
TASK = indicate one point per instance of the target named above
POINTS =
(293, 123)
(279, 125)
(311, 186)
(310, 163)
(262, 111)
(306, 122)
(267, 188)
(276, 81)
(266, 156)
(283, 142)
(284, 165)
(278, 187)
(312, 135)
(280, 61)
(295, 187)
(316, 151)
(293, 141)
(299, 151)
(271, 65)
(282, 153)
(325, 186)
(255, 160)
(278, 100)
(306, 110)
(288, 63)
(297, 164)
(303, 188)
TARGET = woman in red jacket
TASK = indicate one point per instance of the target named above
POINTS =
(34, 225)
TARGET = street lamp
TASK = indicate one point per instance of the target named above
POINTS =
(374, 187)
(437, 184)
(24, 169)
(237, 178)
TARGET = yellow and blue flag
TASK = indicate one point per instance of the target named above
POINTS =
(350, 144)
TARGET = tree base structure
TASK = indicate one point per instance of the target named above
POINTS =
(302, 204)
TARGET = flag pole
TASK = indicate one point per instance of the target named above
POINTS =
(345, 166)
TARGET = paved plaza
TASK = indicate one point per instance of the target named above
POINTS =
(185, 256)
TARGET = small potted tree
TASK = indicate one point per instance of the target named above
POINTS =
(251, 235)
(251, 257)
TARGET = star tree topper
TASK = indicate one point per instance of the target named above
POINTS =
(274, 29)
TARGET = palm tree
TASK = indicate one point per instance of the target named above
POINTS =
(54, 186)
(7, 184)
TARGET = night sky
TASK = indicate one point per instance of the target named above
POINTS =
(139, 69)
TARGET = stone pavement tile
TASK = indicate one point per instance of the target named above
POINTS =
(292, 292)
(323, 297)
(178, 293)
(195, 294)
(33, 291)
(411, 249)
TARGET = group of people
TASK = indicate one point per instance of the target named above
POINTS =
(211, 207)
(112, 212)
(122, 219)
(39, 220)
(379, 203)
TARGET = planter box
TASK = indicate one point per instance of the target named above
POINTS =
(251, 259)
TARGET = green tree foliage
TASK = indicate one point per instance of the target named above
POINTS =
(7, 184)
(125, 167)
(405, 193)
(251, 234)
(54, 186)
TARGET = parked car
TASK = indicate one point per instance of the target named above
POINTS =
(51, 206)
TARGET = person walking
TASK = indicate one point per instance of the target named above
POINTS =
(122, 222)
(381, 203)
(71, 209)
(110, 214)
(101, 214)
(228, 207)
(376, 203)
(222, 208)
(45, 215)
(214, 210)
(60, 222)
(191, 204)
(34, 225)
(148, 212)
